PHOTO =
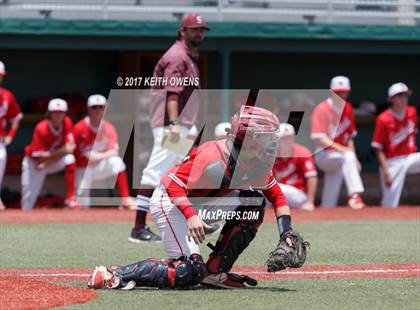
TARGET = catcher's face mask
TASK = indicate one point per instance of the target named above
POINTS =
(266, 145)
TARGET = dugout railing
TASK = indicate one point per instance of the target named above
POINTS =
(390, 12)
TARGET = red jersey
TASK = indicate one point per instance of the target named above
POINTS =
(396, 135)
(296, 169)
(203, 173)
(9, 110)
(48, 139)
(327, 120)
(86, 137)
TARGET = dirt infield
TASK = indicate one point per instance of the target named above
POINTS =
(33, 289)
(29, 293)
(111, 215)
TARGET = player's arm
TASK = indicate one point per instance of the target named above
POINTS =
(352, 147)
(379, 141)
(319, 133)
(112, 146)
(275, 195)
(380, 155)
(311, 184)
(14, 127)
(67, 148)
(174, 69)
(177, 192)
(323, 141)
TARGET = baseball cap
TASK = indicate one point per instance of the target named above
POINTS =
(286, 129)
(95, 100)
(193, 20)
(220, 130)
(340, 83)
(57, 104)
(398, 88)
(2, 69)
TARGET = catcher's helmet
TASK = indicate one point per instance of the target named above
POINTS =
(261, 126)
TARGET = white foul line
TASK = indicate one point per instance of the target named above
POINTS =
(338, 271)
(325, 272)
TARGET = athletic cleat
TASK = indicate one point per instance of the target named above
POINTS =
(143, 235)
(214, 229)
(356, 202)
(102, 277)
(72, 203)
(228, 280)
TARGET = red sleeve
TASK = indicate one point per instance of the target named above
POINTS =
(68, 130)
(319, 126)
(14, 110)
(308, 167)
(177, 191)
(112, 138)
(76, 137)
(37, 147)
(379, 140)
(274, 194)
(352, 128)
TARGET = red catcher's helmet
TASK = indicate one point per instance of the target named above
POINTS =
(259, 124)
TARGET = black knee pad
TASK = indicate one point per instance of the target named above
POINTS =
(235, 237)
(189, 271)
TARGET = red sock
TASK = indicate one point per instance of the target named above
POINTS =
(69, 174)
(122, 184)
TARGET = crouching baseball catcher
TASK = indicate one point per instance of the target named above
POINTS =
(234, 174)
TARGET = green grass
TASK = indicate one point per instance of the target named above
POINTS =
(279, 294)
(333, 243)
(86, 245)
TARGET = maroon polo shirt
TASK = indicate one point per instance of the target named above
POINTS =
(176, 65)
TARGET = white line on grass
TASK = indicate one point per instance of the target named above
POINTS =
(324, 272)
(340, 271)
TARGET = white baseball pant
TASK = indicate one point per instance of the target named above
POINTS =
(106, 168)
(399, 167)
(336, 166)
(295, 197)
(32, 178)
(3, 160)
(173, 225)
(160, 161)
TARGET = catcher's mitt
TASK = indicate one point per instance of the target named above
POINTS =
(284, 256)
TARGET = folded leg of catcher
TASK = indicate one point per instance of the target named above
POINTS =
(153, 272)
(234, 238)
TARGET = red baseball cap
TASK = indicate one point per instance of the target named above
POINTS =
(193, 21)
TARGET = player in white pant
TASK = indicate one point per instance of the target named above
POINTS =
(174, 113)
(50, 151)
(394, 141)
(9, 115)
(208, 173)
(97, 153)
(295, 170)
(333, 130)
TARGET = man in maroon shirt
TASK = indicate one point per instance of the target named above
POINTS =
(177, 71)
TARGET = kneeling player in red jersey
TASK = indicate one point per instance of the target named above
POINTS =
(233, 174)
(50, 151)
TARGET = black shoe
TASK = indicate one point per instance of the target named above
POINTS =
(214, 229)
(143, 235)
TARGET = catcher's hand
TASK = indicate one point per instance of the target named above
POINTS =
(290, 252)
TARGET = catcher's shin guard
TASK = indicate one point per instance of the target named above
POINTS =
(154, 272)
(235, 237)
